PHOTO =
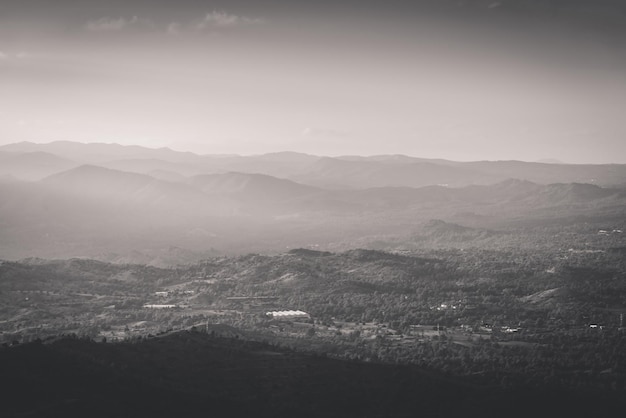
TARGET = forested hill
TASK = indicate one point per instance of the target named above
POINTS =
(508, 286)
(199, 374)
(507, 317)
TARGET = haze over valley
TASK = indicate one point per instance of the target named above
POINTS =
(114, 202)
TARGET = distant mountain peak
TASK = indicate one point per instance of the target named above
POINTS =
(90, 169)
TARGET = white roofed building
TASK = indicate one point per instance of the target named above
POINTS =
(287, 315)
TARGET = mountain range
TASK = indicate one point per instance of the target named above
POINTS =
(107, 201)
(30, 161)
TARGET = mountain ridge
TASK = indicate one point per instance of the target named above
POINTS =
(90, 210)
(273, 202)
(341, 172)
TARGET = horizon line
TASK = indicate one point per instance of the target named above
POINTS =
(548, 160)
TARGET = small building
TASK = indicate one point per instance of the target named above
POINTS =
(287, 315)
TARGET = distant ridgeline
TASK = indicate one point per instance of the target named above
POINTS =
(161, 207)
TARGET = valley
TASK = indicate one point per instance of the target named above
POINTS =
(300, 209)
(500, 313)
(497, 281)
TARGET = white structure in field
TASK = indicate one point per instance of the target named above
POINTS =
(288, 315)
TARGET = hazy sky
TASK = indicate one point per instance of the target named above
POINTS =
(463, 80)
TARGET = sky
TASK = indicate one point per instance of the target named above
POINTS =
(455, 79)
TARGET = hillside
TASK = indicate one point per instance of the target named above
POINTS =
(138, 191)
(242, 212)
(359, 174)
(194, 373)
(357, 285)
(483, 326)
(31, 166)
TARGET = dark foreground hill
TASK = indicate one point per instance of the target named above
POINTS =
(195, 374)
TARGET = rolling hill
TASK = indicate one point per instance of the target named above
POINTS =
(32, 166)
(91, 210)
(327, 203)
(338, 173)
(333, 173)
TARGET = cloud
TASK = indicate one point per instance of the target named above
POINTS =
(106, 24)
(3, 56)
(215, 21)
(219, 19)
